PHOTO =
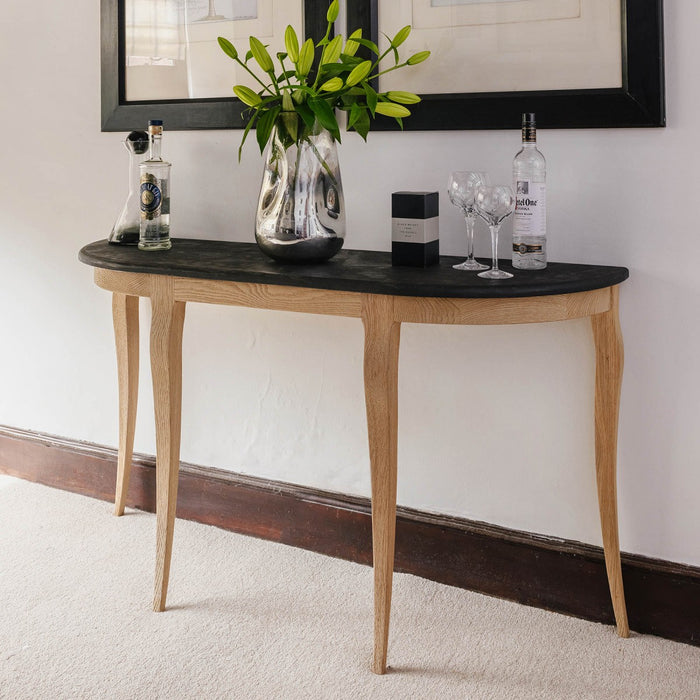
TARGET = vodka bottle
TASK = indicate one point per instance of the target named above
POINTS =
(530, 217)
(155, 194)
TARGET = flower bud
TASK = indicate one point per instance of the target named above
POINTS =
(247, 96)
(359, 73)
(418, 58)
(390, 109)
(333, 10)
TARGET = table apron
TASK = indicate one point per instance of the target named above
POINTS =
(436, 310)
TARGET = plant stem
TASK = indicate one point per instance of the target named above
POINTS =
(274, 82)
(265, 87)
(388, 70)
(318, 72)
(323, 163)
(378, 61)
(284, 70)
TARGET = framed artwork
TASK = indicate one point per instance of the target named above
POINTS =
(160, 58)
(575, 63)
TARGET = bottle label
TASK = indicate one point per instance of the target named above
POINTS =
(525, 248)
(530, 217)
(415, 230)
(529, 133)
(151, 197)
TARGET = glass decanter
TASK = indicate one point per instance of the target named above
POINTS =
(126, 228)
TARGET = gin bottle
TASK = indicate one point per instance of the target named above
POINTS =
(530, 217)
(155, 194)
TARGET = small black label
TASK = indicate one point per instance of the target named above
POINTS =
(525, 248)
(529, 133)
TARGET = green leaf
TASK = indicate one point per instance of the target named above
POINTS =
(333, 10)
(355, 113)
(368, 44)
(260, 54)
(331, 53)
(332, 85)
(402, 97)
(361, 126)
(347, 101)
(248, 56)
(418, 58)
(359, 72)
(349, 62)
(351, 46)
(371, 97)
(290, 122)
(332, 69)
(228, 48)
(247, 96)
(264, 126)
(399, 121)
(291, 43)
(305, 112)
(245, 134)
(401, 36)
(391, 109)
(306, 57)
(325, 115)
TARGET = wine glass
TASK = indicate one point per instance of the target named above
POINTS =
(461, 188)
(493, 204)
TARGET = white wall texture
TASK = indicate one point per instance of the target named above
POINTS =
(495, 423)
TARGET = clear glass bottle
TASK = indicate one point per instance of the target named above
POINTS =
(127, 226)
(530, 217)
(155, 194)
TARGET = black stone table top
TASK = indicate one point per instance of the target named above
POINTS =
(350, 271)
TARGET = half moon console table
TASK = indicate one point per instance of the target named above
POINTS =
(358, 284)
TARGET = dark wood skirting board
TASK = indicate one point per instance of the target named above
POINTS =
(663, 598)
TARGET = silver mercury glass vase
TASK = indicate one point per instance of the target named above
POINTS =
(301, 210)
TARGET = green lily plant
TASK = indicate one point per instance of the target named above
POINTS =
(298, 94)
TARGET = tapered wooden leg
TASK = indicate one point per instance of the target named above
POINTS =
(608, 381)
(166, 368)
(125, 314)
(381, 365)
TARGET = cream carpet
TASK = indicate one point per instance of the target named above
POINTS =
(252, 619)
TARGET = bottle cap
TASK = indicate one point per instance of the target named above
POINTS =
(528, 118)
(155, 127)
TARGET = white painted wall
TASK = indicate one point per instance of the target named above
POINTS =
(496, 423)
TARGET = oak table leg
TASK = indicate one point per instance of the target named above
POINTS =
(125, 314)
(166, 367)
(381, 360)
(607, 337)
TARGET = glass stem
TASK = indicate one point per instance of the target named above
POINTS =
(469, 221)
(494, 244)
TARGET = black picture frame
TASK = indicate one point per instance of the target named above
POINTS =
(118, 114)
(639, 102)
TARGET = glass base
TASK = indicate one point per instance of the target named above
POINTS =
(471, 265)
(155, 245)
(495, 275)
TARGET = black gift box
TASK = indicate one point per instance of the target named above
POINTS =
(415, 228)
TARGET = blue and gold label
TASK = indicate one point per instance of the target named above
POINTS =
(151, 197)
